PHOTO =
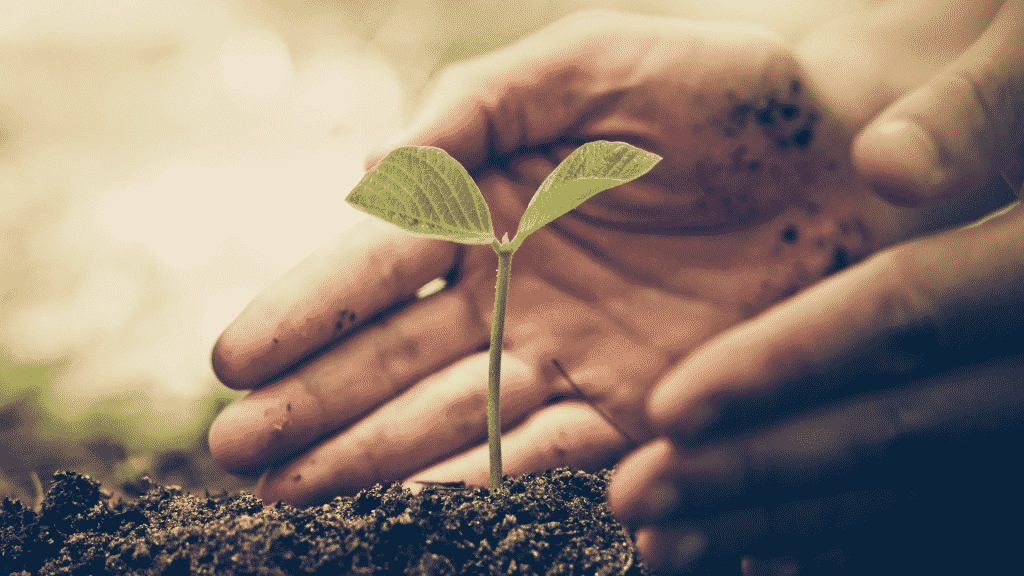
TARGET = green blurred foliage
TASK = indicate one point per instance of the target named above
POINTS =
(112, 441)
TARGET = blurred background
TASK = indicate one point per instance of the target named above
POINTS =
(161, 161)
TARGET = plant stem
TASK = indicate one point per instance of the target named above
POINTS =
(494, 370)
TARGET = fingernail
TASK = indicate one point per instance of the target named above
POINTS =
(914, 153)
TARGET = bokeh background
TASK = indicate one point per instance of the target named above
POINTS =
(161, 161)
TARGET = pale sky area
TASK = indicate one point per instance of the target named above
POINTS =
(162, 161)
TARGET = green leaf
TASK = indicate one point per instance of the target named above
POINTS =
(591, 168)
(427, 192)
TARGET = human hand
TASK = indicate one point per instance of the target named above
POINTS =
(919, 480)
(726, 411)
(356, 382)
(936, 85)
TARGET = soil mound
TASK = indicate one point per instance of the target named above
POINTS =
(554, 523)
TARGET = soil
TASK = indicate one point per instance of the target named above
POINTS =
(554, 523)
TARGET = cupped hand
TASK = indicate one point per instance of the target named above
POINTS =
(765, 440)
(356, 381)
(765, 408)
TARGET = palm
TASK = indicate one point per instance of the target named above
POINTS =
(753, 201)
(613, 305)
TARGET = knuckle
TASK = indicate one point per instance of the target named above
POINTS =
(390, 370)
(987, 93)
(467, 418)
(372, 464)
(904, 300)
(380, 264)
(909, 327)
(558, 444)
(556, 449)
(400, 359)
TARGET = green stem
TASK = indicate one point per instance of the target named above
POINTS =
(494, 370)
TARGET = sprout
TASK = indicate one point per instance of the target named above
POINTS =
(427, 192)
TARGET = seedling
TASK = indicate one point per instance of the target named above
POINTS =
(427, 192)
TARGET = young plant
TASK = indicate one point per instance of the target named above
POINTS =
(427, 192)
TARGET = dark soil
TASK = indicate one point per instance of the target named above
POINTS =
(554, 523)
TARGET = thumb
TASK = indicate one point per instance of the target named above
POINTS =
(949, 135)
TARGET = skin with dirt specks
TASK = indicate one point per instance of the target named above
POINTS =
(730, 222)
(743, 149)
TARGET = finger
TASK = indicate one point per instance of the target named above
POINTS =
(546, 322)
(907, 437)
(820, 534)
(277, 421)
(712, 545)
(440, 413)
(935, 300)
(666, 550)
(436, 418)
(506, 99)
(566, 434)
(339, 287)
(948, 136)
(537, 89)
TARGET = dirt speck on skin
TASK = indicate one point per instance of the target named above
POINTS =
(553, 523)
